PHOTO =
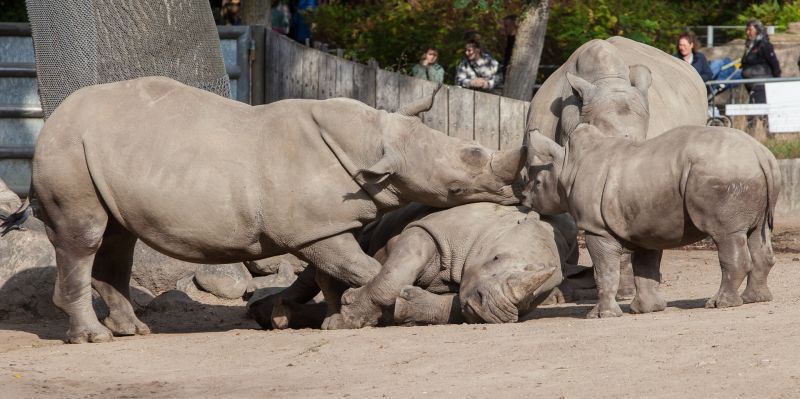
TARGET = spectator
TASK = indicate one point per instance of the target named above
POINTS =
(687, 51)
(428, 68)
(299, 29)
(477, 70)
(759, 60)
(510, 28)
(231, 12)
(280, 16)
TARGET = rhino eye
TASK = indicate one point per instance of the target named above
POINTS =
(497, 257)
(456, 191)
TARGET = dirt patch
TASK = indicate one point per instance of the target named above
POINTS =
(215, 351)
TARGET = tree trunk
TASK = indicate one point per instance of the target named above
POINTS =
(521, 72)
(256, 12)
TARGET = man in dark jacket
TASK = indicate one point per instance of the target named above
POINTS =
(759, 60)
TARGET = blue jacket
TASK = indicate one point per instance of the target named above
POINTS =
(700, 64)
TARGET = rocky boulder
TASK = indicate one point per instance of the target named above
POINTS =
(225, 281)
(265, 267)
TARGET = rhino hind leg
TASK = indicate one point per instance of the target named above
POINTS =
(111, 275)
(763, 259)
(76, 233)
(647, 276)
(735, 261)
(627, 283)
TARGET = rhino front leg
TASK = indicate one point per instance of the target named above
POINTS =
(605, 253)
(734, 259)
(627, 283)
(301, 291)
(407, 256)
(647, 277)
(111, 275)
(416, 307)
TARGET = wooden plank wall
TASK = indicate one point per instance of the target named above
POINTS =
(296, 71)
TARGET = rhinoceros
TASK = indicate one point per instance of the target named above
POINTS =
(625, 88)
(497, 259)
(687, 184)
(206, 179)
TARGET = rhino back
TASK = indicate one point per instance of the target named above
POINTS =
(693, 172)
(195, 174)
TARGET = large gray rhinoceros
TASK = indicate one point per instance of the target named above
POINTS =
(152, 159)
(625, 88)
(497, 259)
(697, 182)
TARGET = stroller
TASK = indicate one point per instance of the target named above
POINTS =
(725, 70)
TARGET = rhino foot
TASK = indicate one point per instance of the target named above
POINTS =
(358, 310)
(642, 305)
(281, 316)
(554, 298)
(724, 301)
(122, 325)
(756, 295)
(84, 334)
(597, 312)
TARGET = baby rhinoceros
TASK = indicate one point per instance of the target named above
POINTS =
(497, 258)
(687, 184)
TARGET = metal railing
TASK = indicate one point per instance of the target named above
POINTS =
(710, 30)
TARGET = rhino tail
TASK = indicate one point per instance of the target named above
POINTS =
(771, 169)
(15, 220)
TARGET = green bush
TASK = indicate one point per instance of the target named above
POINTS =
(778, 13)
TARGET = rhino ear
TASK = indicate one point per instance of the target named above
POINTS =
(381, 170)
(641, 77)
(542, 148)
(584, 89)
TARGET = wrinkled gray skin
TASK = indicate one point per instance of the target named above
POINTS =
(625, 88)
(498, 259)
(699, 182)
(296, 176)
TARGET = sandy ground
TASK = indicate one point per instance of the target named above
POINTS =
(684, 351)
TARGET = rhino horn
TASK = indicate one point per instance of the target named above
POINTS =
(507, 164)
(421, 105)
(523, 284)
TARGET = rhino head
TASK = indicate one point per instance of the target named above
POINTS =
(545, 161)
(426, 166)
(504, 276)
(619, 110)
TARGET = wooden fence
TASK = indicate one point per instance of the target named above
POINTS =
(296, 71)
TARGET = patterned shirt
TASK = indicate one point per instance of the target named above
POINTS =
(485, 67)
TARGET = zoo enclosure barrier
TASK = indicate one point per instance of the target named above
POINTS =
(782, 107)
(710, 33)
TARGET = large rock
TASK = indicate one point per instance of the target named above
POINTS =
(157, 272)
(265, 267)
(27, 266)
(268, 285)
(225, 281)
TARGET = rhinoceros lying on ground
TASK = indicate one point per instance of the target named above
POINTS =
(497, 258)
(625, 88)
(206, 179)
(678, 188)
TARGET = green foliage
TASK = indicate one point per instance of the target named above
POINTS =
(778, 13)
(784, 149)
(397, 32)
(13, 11)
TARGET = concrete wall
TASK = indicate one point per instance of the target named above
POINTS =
(789, 197)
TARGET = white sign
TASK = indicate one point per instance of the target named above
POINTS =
(784, 106)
